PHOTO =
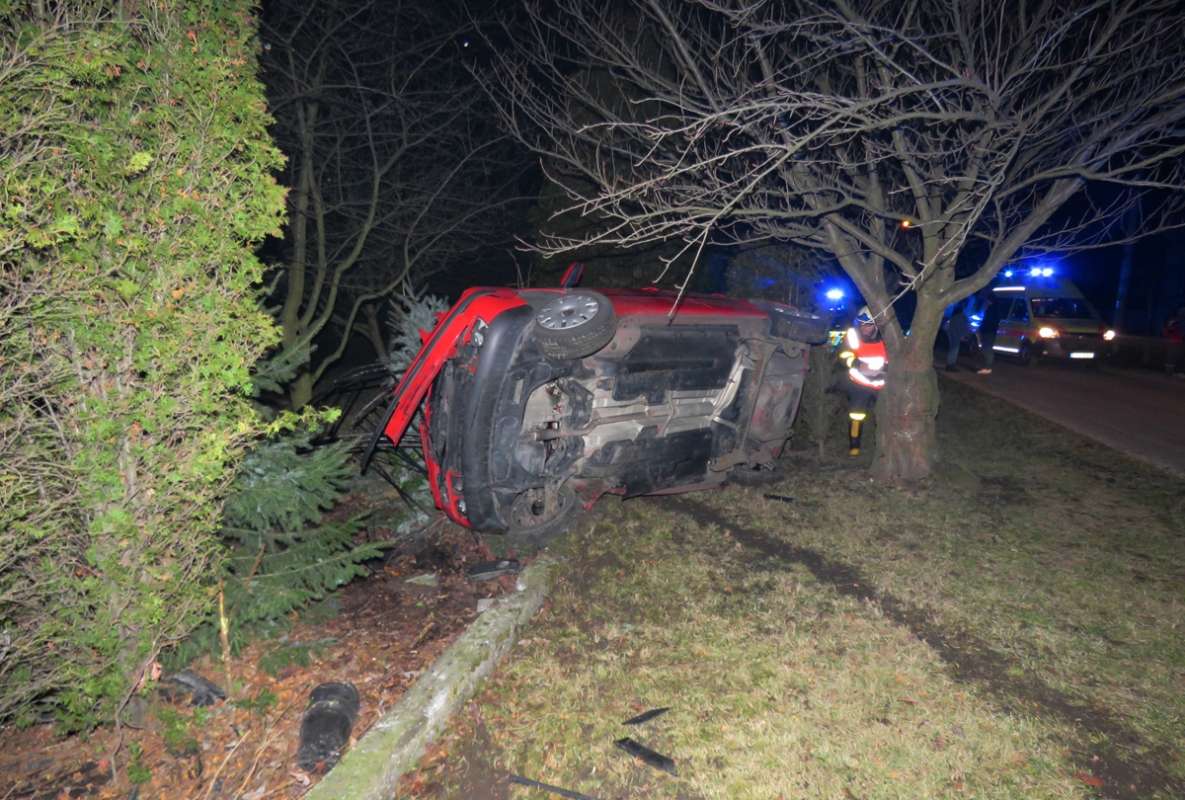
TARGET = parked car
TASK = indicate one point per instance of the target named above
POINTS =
(539, 401)
(1047, 317)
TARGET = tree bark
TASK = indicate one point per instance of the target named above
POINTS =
(905, 421)
(906, 410)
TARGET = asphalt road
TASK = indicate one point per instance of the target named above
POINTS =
(1140, 412)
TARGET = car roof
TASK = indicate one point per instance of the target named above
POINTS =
(1047, 286)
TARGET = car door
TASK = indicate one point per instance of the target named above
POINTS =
(1012, 326)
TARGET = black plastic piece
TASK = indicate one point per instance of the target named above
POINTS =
(779, 498)
(488, 570)
(677, 359)
(204, 692)
(647, 756)
(326, 726)
(646, 716)
(568, 793)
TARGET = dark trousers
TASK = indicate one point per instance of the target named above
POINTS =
(987, 344)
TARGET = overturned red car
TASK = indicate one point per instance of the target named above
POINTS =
(539, 401)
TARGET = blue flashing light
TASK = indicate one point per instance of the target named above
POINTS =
(1041, 272)
(835, 294)
(1007, 273)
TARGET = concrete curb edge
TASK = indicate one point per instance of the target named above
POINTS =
(372, 768)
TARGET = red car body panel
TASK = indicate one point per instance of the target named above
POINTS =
(453, 329)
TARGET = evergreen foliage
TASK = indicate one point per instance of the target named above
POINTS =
(409, 316)
(282, 555)
(135, 176)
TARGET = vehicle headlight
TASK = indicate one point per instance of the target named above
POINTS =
(1048, 333)
(1109, 335)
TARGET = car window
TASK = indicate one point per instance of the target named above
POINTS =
(1020, 309)
(1061, 308)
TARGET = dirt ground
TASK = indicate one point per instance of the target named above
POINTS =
(379, 633)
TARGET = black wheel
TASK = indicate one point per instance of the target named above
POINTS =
(574, 325)
(972, 346)
(790, 323)
(757, 474)
(1025, 356)
(539, 516)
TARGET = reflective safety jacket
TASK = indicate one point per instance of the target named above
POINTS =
(865, 360)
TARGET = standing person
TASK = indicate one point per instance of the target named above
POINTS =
(987, 332)
(957, 329)
(1174, 341)
(865, 357)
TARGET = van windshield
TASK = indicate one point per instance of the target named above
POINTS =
(1062, 308)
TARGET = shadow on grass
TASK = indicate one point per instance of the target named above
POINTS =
(1129, 765)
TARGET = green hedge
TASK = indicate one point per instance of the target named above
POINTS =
(136, 174)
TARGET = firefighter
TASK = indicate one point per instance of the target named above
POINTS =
(865, 357)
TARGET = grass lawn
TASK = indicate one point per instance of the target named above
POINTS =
(1010, 629)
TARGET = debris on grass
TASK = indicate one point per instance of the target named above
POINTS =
(647, 756)
(780, 498)
(204, 691)
(549, 788)
(488, 570)
(646, 716)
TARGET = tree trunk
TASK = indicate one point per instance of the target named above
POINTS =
(300, 391)
(906, 441)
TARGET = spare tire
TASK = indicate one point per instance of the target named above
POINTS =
(574, 324)
(791, 323)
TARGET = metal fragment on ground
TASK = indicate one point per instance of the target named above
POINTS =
(488, 570)
(647, 756)
(571, 795)
(779, 497)
(646, 716)
(204, 692)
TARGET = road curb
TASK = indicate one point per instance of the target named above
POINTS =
(394, 745)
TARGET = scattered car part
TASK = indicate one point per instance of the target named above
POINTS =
(326, 725)
(762, 474)
(647, 756)
(204, 692)
(779, 498)
(488, 570)
(549, 788)
(646, 716)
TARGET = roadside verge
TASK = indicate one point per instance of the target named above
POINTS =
(372, 768)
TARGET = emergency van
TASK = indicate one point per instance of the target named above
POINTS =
(1046, 316)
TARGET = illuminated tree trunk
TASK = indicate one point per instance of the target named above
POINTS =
(906, 440)
(905, 414)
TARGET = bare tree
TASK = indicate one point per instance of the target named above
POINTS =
(922, 144)
(396, 167)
